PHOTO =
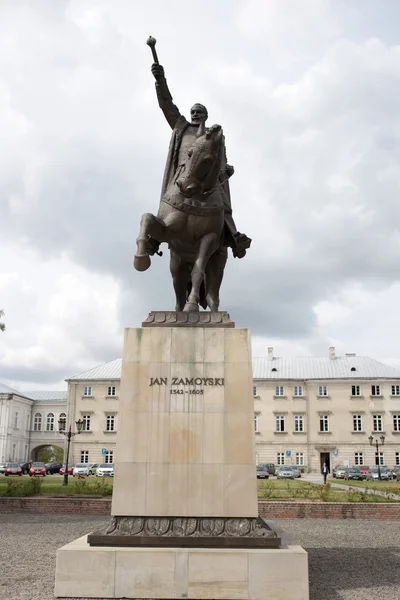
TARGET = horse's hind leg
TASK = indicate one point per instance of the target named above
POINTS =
(149, 225)
(180, 272)
(206, 249)
(213, 277)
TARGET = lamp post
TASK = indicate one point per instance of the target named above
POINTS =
(377, 445)
(62, 423)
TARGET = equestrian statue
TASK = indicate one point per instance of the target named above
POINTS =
(195, 214)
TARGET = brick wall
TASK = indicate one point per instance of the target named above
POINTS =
(271, 509)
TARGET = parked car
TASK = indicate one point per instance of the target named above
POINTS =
(13, 469)
(53, 467)
(25, 468)
(93, 468)
(37, 468)
(270, 468)
(296, 470)
(354, 473)
(364, 470)
(386, 474)
(285, 472)
(340, 472)
(3, 468)
(70, 469)
(395, 470)
(81, 469)
(398, 476)
(105, 470)
(262, 472)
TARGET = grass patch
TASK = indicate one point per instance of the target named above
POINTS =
(280, 489)
(53, 486)
(391, 487)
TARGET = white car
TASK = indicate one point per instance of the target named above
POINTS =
(105, 470)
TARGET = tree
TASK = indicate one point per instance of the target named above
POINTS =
(2, 325)
(51, 454)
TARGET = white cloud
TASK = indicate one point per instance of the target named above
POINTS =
(307, 96)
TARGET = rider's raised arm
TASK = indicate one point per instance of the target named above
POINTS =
(170, 110)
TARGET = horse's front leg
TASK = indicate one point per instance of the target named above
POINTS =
(149, 225)
(207, 246)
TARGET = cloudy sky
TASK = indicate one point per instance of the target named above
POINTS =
(308, 95)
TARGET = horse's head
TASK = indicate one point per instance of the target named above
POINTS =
(203, 162)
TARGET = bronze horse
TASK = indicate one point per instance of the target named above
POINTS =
(191, 220)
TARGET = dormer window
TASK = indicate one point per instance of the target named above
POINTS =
(353, 369)
(274, 369)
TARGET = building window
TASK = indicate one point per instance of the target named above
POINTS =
(298, 423)
(322, 390)
(28, 422)
(397, 459)
(300, 459)
(16, 420)
(111, 390)
(324, 423)
(280, 458)
(37, 422)
(357, 423)
(375, 390)
(396, 423)
(395, 390)
(280, 423)
(279, 390)
(110, 423)
(254, 390)
(256, 426)
(378, 426)
(298, 390)
(358, 458)
(50, 422)
(379, 458)
(355, 390)
(109, 457)
(85, 456)
(87, 390)
(86, 422)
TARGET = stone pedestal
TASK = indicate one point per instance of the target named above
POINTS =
(184, 510)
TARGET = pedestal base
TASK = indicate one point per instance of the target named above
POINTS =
(83, 571)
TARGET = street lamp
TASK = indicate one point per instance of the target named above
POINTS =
(62, 424)
(377, 445)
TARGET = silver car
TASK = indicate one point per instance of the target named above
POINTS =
(386, 474)
(81, 469)
(285, 473)
(341, 472)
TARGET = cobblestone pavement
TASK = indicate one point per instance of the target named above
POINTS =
(348, 559)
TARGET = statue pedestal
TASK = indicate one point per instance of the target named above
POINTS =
(184, 510)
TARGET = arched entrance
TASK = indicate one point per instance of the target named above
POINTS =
(47, 453)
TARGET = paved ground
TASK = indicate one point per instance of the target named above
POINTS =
(349, 560)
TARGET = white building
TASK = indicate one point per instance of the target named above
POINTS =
(15, 422)
(313, 410)
(47, 408)
(306, 410)
(28, 422)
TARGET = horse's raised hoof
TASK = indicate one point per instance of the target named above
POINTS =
(191, 307)
(141, 262)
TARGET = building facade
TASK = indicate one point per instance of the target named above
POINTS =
(308, 411)
(29, 422)
(15, 423)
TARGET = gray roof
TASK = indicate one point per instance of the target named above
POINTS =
(47, 396)
(322, 368)
(286, 368)
(110, 370)
(5, 389)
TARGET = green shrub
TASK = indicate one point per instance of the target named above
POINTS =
(266, 490)
(33, 486)
(324, 492)
(80, 487)
(12, 488)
